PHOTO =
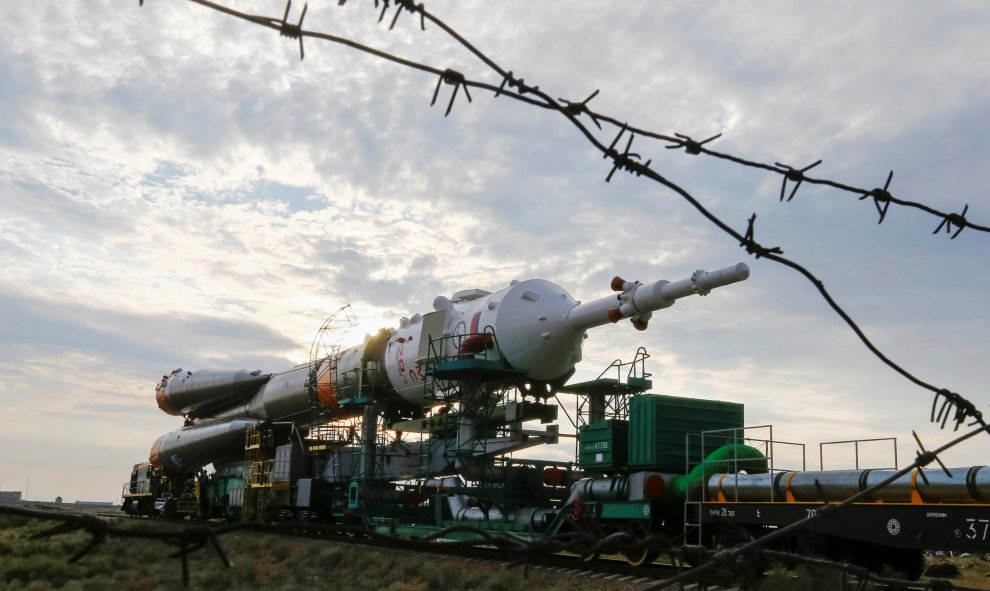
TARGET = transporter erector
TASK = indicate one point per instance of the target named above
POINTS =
(413, 430)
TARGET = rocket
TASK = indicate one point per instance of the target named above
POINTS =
(533, 327)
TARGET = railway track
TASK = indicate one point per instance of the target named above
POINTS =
(614, 570)
(611, 570)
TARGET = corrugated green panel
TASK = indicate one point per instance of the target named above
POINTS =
(603, 445)
(224, 485)
(658, 426)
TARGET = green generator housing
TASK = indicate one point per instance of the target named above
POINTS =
(659, 426)
(603, 445)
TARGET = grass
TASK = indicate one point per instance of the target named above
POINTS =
(974, 570)
(259, 562)
(974, 573)
(286, 564)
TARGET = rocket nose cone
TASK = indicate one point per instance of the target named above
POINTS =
(160, 398)
(153, 454)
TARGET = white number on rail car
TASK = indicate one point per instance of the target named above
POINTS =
(977, 529)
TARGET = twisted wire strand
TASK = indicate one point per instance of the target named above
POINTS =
(693, 147)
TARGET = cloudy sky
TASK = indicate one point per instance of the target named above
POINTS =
(177, 189)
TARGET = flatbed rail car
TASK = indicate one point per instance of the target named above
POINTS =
(937, 510)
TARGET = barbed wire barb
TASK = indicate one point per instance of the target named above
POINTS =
(457, 80)
(691, 146)
(881, 195)
(964, 409)
(578, 108)
(925, 457)
(795, 175)
(625, 160)
(752, 246)
(384, 9)
(411, 6)
(959, 219)
(294, 31)
(611, 147)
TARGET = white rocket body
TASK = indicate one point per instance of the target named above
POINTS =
(534, 327)
(537, 326)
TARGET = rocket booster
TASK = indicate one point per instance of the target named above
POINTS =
(190, 448)
(211, 395)
(198, 394)
(533, 326)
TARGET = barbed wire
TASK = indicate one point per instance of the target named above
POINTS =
(952, 404)
(693, 147)
(947, 407)
(882, 197)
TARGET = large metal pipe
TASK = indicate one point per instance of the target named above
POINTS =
(461, 511)
(961, 485)
(602, 488)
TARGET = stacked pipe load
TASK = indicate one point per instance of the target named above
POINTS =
(960, 485)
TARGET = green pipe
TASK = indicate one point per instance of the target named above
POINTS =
(731, 458)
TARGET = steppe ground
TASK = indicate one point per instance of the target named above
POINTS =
(29, 562)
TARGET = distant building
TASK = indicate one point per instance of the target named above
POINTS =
(95, 503)
(10, 497)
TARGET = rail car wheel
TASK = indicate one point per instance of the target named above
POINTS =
(640, 556)
(586, 523)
